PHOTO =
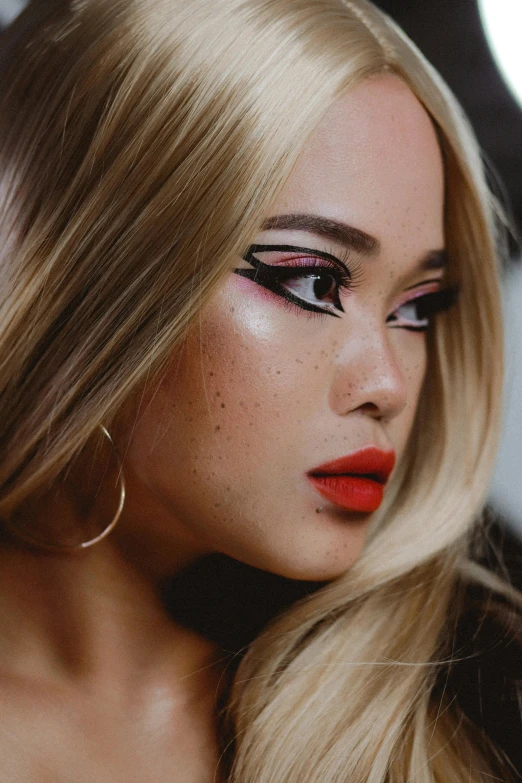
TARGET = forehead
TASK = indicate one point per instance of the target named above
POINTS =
(373, 162)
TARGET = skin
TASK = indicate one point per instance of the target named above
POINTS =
(215, 461)
(257, 379)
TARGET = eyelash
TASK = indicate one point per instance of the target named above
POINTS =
(271, 276)
(433, 302)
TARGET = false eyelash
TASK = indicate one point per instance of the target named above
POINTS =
(354, 265)
(293, 307)
(438, 301)
(344, 282)
(264, 275)
(348, 272)
(271, 275)
(431, 304)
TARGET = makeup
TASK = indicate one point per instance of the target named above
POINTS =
(354, 482)
(316, 279)
(416, 311)
(321, 274)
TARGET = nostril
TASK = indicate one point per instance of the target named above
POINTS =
(369, 407)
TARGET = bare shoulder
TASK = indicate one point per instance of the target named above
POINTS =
(38, 730)
(48, 737)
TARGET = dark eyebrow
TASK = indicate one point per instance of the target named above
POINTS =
(346, 235)
(341, 233)
(436, 259)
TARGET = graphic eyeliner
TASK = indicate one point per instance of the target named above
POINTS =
(296, 249)
(270, 276)
(427, 305)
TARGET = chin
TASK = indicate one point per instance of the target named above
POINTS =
(323, 571)
(310, 563)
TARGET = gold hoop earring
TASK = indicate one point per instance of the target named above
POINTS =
(114, 520)
(50, 547)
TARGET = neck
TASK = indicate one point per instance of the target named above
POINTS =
(91, 618)
(94, 618)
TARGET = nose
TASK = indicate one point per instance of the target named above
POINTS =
(369, 375)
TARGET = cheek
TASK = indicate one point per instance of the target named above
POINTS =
(252, 361)
(236, 392)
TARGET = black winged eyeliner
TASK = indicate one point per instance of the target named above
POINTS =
(270, 276)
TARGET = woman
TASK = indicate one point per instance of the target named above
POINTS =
(250, 311)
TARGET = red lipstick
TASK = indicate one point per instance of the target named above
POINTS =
(355, 482)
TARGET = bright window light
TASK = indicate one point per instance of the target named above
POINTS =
(502, 23)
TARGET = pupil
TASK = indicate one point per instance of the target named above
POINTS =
(322, 285)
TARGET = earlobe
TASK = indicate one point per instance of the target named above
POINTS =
(32, 539)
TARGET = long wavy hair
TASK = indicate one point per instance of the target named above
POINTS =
(141, 144)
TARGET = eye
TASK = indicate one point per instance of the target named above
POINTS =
(313, 283)
(416, 313)
(303, 282)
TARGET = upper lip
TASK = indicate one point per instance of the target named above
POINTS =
(368, 461)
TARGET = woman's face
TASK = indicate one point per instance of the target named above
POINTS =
(266, 390)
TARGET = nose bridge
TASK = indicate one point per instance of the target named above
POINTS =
(368, 372)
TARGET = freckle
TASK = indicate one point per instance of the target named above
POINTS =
(190, 418)
(232, 309)
(278, 372)
(217, 427)
(194, 470)
(211, 374)
(218, 394)
(257, 405)
(229, 437)
(222, 404)
(316, 367)
(216, 505)
(228, 489)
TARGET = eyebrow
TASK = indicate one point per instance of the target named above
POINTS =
(343, 234)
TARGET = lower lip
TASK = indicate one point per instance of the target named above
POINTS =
(353, 493)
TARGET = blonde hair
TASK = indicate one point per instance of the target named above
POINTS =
(141, 144)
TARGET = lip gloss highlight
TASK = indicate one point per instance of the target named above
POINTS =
(355, 482)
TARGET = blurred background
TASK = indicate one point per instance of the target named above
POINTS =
(477, 47)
